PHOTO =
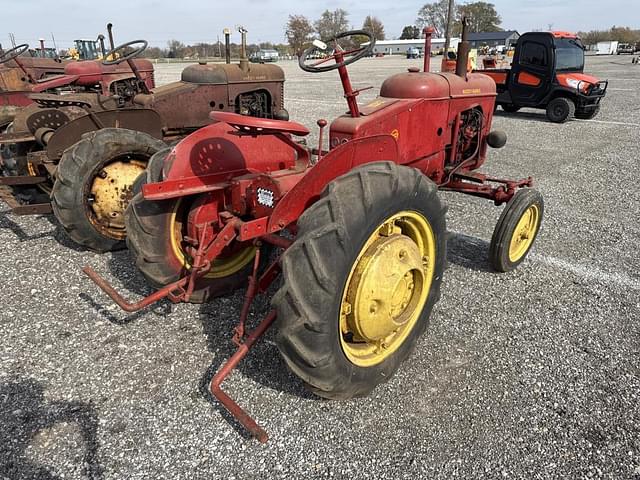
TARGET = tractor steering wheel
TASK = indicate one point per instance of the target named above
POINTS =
(136, 52)
(13, 53)
(348, 56)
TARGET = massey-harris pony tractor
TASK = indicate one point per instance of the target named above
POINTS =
(360, 226)
(86, 149)
(21, 76)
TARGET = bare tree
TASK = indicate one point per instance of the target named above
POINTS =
(434, 15)
(331, 24)
(298, 33)
(176, 48)
(374, 26)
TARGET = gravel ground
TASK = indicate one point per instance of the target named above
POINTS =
(531, 374)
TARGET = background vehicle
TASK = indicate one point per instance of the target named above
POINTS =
(361, 224)
(625, 48)
(548, 72)
(414, 52)
(264, 56)
(86, 149)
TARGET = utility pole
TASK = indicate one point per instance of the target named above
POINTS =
(447, 30)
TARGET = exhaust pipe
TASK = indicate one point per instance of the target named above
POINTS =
(110, 32)
(102, 50)
(464, 47)
(227, 46)
(428, 32)
(244, 62)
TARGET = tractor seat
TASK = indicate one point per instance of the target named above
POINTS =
(259, 126)
(143, 99)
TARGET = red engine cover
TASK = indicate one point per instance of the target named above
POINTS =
(93, 71)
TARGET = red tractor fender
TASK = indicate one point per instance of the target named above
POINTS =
(337, 162)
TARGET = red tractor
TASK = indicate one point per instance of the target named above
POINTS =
(86, 149)
(20, 76)
(360, 226)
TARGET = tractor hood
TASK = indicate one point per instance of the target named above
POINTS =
(436, 85)
(224, 74)
(577, 80)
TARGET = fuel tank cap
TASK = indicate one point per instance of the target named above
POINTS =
(413, 69)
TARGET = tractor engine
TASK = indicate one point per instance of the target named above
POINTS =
(469, 136)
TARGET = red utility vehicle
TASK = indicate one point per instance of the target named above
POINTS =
(548, 72)
(365, 244)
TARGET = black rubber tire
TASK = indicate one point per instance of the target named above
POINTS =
(331, 233)
(560, 109)
(148, 239)
(78, 167)
(504, 229)
(588, 114)
(509, 108)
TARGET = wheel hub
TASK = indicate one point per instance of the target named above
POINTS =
(524, 233)
(383, 286)
(387, 288)
(111, 193)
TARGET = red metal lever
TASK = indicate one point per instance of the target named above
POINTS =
(234, 409)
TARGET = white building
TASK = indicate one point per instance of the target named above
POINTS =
(400, 47)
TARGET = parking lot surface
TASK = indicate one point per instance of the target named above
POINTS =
(531, 374)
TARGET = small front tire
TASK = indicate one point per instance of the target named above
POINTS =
(516, 230)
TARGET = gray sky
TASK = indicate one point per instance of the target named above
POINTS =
(194, 21)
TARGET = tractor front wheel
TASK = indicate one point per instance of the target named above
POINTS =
(156, 233)
(361, 279)
(560, 109)
(516, 230)
(93, 185)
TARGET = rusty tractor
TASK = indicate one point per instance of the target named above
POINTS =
(86, 149)
(20, 76)
(359, 226)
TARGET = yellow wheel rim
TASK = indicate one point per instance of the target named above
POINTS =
(524, 233)
(33, 171)
(222, 267)
(110, 193)
(387, 288)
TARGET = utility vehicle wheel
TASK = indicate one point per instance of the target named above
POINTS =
(587, 114)
(516, 230)
(510, 108)
(560, 109)
(361, 279)
(93, 185)
(155, 236)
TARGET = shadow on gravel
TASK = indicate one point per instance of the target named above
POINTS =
(262, 364)
(468, 252)
(535, 116)
(26, 420)
(57, 233)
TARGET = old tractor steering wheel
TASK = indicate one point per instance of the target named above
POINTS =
(136, 52)
(343, 57)
(13, 53)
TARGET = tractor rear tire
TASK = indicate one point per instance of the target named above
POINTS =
(516, 230)
(560, 109)
(319, 271)
(93, 185)
(588, 114)
(509, 108)
(150, 227)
